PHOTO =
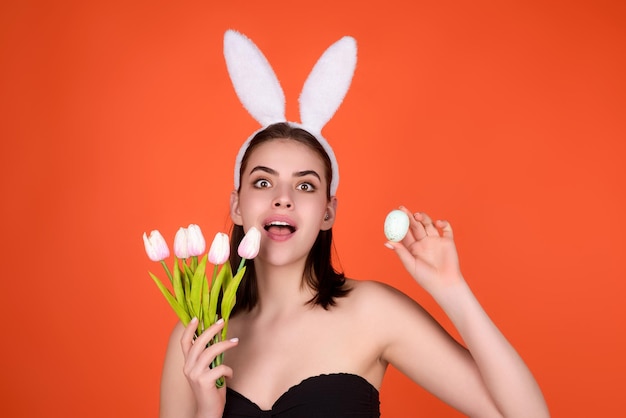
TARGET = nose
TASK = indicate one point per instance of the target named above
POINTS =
(283, 200)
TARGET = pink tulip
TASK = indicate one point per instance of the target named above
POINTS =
(156, 247)
(195, 240)
(220, 249)
(181, 245)
(249, 246)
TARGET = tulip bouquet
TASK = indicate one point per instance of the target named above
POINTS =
(193, 296)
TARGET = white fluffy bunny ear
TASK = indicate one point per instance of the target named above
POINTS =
(260, 92)
(254, 79)
(328, 84)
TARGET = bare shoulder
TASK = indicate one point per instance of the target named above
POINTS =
(174, 353)
(177, 331)
(374, 293)
(380, 301)
(177, 399)
(391, 310)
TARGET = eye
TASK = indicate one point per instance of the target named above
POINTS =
(305, 187)
(262, 184)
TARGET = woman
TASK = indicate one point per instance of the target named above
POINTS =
(305, 341)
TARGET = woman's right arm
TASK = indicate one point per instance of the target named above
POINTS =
(187, 383)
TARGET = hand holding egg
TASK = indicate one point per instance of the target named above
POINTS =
(432, 262)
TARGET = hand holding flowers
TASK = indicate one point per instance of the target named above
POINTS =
(193, 296)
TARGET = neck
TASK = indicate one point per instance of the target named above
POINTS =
(282, 289)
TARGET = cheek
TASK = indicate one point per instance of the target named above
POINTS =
(248, 205)
(316, 207)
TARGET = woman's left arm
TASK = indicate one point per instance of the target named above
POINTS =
(429, 254)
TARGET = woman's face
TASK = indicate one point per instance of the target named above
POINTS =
(283, 194)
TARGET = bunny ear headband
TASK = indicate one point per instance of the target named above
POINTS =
(260, 92)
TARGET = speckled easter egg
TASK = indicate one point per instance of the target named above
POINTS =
(396, 225)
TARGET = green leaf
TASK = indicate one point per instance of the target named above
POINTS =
(228, 301)
(196, 286)
(227, 278)
(182, 314)
(200, 328)
(216, 288)
(205, 304)
(178, 285)
(186, 286)
(188, 271)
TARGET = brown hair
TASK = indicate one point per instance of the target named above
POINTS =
(319, 272)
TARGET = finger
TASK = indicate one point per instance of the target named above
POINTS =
(222, 371)
(425, 220)
(186, 340)
(416, 229)
(211, 375)
(207, 335)
(194, 346)
(446, 229)
(209, 353)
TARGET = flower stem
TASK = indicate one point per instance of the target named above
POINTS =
(215, 268)
(243, 261)
(167, 270)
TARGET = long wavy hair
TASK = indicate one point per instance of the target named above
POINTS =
(319, 272)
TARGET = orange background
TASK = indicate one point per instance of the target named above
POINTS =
(506, 118)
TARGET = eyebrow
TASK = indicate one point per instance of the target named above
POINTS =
(265, 169)
(306, 173)
(295, 174)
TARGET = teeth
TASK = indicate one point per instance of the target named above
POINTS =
(278, 223)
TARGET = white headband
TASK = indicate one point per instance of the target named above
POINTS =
(260, 92)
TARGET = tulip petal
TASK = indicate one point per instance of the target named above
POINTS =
(150, 251)
(220, 249)
(195, 240)
(249, 245)
(181, 245)
(155, 245)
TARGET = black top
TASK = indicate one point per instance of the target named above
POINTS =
(327, 395)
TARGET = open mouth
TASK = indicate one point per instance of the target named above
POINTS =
(279, 228)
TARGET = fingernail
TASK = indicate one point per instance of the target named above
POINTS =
(234, 340)
(388, 245)
(220, 321)
(194, 319)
